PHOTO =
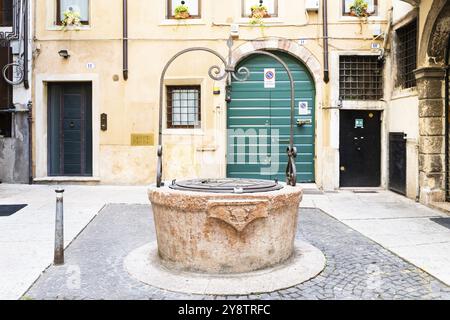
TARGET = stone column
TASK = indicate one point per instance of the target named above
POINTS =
(430, 85)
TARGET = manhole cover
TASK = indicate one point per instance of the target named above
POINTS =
(9, 210)
(226, 185)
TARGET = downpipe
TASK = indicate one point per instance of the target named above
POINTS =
(326, 68)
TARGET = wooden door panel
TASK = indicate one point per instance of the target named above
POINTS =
(70, 129)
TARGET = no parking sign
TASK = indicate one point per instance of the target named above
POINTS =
(269, 78)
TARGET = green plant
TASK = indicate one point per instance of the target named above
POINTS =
(182, 12)
(359, 9)
(71, 19)
(259, 12)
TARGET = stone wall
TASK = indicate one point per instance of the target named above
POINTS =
(14, 157)
(431, 134)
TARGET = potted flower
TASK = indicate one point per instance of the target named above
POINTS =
(72, 19)
(258, 13)
(182, 11)
(359, 9)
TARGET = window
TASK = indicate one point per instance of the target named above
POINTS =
(271, 5)
(6, 13)
(80, 6)
(372, 8)
(407, 55)
(183, 106)
(360, 78)
(5, 94)
(194, 7)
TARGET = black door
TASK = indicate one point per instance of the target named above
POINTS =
(397, 162)
(70, 129)
(360, 148)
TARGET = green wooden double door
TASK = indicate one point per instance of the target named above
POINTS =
(258, 121)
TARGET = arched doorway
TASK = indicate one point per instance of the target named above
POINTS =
(258, 121)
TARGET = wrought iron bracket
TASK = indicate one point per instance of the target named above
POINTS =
(229, 72)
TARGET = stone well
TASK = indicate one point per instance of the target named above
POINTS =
(218, 230)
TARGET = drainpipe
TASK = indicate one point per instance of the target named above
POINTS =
(326, 71)
(26, 82)
(125, 40)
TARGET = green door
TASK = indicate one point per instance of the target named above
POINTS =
(258, 121)
(69, 129)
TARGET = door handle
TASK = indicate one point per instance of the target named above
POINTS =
(72, 124)
(301, 122)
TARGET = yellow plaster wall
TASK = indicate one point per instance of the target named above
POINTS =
(132, 106)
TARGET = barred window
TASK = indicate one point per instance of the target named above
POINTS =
(183, 106)
(360, 78)
(6, 13)
(407, 55)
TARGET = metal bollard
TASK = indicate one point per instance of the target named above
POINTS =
(59, 228)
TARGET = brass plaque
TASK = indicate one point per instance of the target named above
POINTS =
(147, 139)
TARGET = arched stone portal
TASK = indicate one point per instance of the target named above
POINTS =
(430, 86)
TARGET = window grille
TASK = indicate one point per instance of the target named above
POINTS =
(407, 55)
(360, 78)
(183, 106)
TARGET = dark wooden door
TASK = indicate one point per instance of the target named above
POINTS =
(5, 93)
(70, 129)
(6, 13)
(397, 162)
(360, 148)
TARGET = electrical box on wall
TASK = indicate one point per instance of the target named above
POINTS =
(312, 5)
(234, 30)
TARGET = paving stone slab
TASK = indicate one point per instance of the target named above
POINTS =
(357, 268)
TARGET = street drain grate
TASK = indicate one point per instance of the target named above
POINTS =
(9, 210)
(445, 222)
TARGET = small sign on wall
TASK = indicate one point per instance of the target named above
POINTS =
(142, 139)
(303, 108)
(269, 78)
(359, 123)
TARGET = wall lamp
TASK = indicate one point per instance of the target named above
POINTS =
(64, 54)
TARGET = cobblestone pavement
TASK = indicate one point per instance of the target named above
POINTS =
(357, 268)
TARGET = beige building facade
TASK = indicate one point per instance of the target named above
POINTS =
(131, 106)
(421, 109)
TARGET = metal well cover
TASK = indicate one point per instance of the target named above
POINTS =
(227, 185)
